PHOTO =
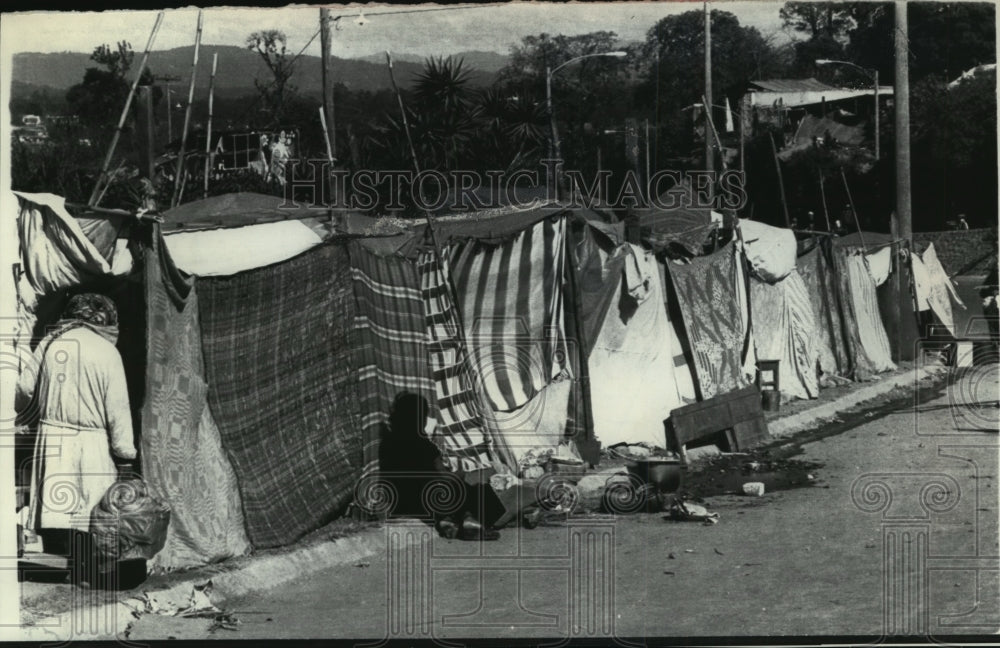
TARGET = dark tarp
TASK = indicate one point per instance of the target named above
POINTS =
(279, 347)
(183, 461)
(706, 289)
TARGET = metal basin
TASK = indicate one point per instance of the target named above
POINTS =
(662, 474)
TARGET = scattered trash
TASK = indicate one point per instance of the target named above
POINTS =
(669, 573)
(224, 622)
(753, 488)
(501, 482)
(810, 477)
(689, 551)
(754, 466)
(362, 565)
(870, 545)
(686, 511)
(533, 472)
(718, 552)
(671, 556)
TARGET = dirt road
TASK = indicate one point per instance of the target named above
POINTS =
(898, 535)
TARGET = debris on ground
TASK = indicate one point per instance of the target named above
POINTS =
(754, 488)
(690, 512)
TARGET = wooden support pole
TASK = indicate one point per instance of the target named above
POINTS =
(208, 134)
(102, 178)
(822, 195)
(781, 181)
(187, 117)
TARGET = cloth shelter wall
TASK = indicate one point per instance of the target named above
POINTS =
(683, 373)
(391, 355)
(784, 330)
(818, 273)
(706, 290)
(219, 252)
(870, 343)
(279, 348)
(183, 461)
(511, 296)
(631, 362)
(463, 433)
(933, 289)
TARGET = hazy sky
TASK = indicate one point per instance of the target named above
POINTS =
(448, 29)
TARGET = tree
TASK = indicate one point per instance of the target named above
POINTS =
(272, 47)
(829, 20)
(100, 97)
(673, 70)
(588, 97)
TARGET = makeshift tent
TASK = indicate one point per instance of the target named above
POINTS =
(391, 353)
(784, 330)
(933, 289)
(181, 456)
(769, 250)
(631, 363)
(184, 463)
(463, 432)
(868, 340)
(706, 290)
(280, 348)
(511, 298)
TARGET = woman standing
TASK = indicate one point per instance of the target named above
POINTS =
(79, 400)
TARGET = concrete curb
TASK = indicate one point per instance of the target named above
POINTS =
(109, 620)
(793, 423)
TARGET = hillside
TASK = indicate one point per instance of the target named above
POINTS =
(476, 60)
(237, 69)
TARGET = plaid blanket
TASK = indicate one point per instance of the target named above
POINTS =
(391, 354)
(278, 346)
(462, 433)
(182, 456)
(512, 310)
(710, 307)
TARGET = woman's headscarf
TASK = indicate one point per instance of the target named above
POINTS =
(90, 310)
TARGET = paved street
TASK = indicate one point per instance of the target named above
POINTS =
(914, 491)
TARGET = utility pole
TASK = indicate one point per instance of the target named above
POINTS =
(324, 21)
(901, 225)
(904, 206)
(709, 157)
(168, 79)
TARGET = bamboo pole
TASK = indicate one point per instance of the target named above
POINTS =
(208, 134)
(850, 201)
(326, 135)
(781, 180)
(822, 195)
(121, 120)
(187, 116)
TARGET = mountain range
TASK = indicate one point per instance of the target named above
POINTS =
(238, 67)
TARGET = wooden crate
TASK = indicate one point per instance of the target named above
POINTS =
(736, 419)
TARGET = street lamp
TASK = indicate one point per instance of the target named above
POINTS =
(871, 74)
(554, 152)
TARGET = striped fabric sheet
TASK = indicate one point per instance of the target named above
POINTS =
(461, 434)
(512, 311)
(392, 341)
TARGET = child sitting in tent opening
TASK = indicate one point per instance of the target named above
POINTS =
(412, 464)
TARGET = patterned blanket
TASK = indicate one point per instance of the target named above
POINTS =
(512, 309)
(182, 457)
(278, 344)
(462, 433)
(391, 355)
(706, 289)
